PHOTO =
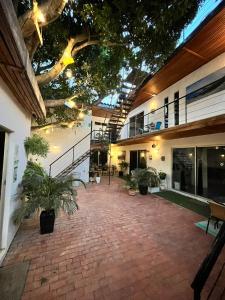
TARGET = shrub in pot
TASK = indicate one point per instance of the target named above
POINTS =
(123, 167)
(142, 177)
(154, 181)
(45, 193)
(131, 185)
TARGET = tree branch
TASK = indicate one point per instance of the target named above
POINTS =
(51, 9)
(70, 51)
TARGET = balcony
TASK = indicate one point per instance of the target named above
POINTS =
(185, 117)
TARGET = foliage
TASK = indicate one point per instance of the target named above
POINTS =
(36, 145)
(147, 177)
(130, 182)
(41, 191)
(162, 175)
(123, 165)
(154, 178)
(33, 168)
(131, 34)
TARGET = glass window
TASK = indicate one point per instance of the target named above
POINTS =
(136, 124)
(176, 108)
(184, 169)
(211, 172)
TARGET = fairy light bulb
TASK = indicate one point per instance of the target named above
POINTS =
(69, 73)
(81, 115)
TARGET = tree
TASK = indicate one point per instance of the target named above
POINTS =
(99, 40)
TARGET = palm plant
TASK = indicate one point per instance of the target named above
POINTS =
(43, 192)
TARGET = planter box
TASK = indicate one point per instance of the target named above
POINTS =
(153, 190)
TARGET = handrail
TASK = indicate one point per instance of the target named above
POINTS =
(176, 100)
(72, 148)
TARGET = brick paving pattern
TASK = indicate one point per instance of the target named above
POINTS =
(115, 247)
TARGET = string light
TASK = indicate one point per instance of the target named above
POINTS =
(69, 73)
(81, 115)
(38, 17)
(70, 103)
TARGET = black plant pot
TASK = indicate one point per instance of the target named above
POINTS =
(143, 189)
(47, 221)
(120, 173)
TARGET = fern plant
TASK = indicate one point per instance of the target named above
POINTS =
(36, 145)
(41, 191)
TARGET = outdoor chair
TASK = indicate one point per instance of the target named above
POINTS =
(154, 126)
(217, 212)
(141, 131)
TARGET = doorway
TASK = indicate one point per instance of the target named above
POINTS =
(138, 159)
(2, 158)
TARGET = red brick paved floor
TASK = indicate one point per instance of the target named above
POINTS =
(115, 247)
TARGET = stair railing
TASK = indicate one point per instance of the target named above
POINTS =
(68, 157)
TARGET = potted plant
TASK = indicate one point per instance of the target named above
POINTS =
(131, 185)
(142, 177)
(154, 181)
(123, 167)
(162, 175)
(45, 193)
(98, 178)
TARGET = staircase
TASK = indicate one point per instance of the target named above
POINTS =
(119, 116)
(74, 164)
(69, 160)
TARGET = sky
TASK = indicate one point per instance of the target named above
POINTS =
(204, 10)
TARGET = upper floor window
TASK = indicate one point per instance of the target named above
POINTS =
(176, 108)
(136, 123)
(211, 84)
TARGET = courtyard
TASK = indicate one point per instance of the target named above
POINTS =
(115, 247)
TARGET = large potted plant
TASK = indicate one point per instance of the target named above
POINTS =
(123, 167)
(131, 185)
(45, 193)
(142, 177)
(154, 180)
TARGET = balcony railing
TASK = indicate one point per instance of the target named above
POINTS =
(166, 116)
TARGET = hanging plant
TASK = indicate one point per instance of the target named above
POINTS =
(36, 145)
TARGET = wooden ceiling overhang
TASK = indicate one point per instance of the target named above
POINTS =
(15, 65)
(207, 126)
(206, 43)
(102, 112)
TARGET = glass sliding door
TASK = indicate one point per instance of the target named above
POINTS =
(183, 178)
(138, 159)
(211, 172)
(136, 124)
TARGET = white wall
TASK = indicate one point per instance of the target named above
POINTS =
(204, 108)
(164, 148)
(60, 140)
(17, 123)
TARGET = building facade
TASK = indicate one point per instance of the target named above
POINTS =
(177, 120)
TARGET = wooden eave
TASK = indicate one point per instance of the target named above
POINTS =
(15, 65)
(206, 43)
(207, 126)
(98, 111)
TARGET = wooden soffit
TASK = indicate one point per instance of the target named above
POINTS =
(206, 43)
(98, 111)
(15, 65)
